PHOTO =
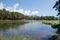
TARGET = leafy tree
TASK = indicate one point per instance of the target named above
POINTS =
(57, 6)
(4, 14)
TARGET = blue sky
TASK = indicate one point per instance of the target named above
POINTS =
(30, 7)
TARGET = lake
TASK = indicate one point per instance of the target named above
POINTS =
(35, 30)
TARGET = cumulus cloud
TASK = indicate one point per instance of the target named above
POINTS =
(35, 12)
(1, 5)
(20, 10)
(27, 12)
(9, 9)
(13, 8)
(16, 8)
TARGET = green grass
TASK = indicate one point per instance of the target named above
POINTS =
(49, 22)
(15, 38)
(6, 24)
(54, 24)
(12, 21)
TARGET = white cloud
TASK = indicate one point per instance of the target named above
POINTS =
(35, 12)
(9, 9)
(1, 5)
(16, 8)
(13, 8)
(27, 12)
(20, 10)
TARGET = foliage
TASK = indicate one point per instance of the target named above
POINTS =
(58, 28)
(15, 38)
(4, 14)
(45, 18)
(57, 6)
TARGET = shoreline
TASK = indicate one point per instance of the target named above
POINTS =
(49, 22)
(54, 24)
(12, 21)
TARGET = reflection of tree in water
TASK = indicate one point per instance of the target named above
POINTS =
(55, 37)
(58, 27)
(5, 26)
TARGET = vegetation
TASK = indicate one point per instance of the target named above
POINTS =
(58, 28)
(54, 24)
(6, 15)
(12, 21)
(57, 6)
(15, 38)
(15, 17)
(49, 22)
(54, 37)
(6, 26)
(45, 18)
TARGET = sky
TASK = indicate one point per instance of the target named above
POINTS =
(30, 7)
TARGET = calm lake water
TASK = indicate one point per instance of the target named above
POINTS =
(35, 30)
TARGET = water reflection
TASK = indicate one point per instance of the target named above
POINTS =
(36, 30)
(5, 26)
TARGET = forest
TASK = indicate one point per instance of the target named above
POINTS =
(7, 15)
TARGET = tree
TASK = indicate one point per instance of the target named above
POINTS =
(57, 6)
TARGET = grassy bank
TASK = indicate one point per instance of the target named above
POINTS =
(54, 24)
(15, 38)
(5, 24)
(12, 21)
(49, 22)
